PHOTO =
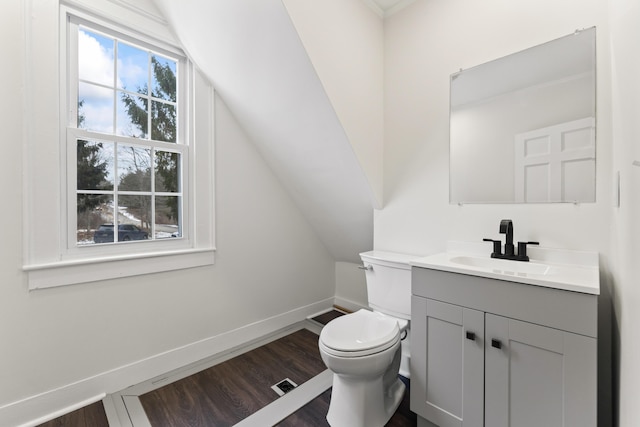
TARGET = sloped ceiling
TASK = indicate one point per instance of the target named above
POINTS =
(250, 51)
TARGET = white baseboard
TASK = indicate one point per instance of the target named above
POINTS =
(40, 408)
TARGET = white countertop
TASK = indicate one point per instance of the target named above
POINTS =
(575, 271)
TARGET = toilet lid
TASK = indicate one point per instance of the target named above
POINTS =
(362, 330)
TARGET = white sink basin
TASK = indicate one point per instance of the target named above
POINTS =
(551, 271)
(503, 266)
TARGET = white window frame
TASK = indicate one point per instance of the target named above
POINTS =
(49, 264)
(181, 146)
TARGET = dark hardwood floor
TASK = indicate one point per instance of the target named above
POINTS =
(89, 416)
(230, 391)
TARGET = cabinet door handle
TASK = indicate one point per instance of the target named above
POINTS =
(496, 343)
(471, 336)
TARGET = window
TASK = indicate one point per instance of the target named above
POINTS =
(130, 113)
(127, 132)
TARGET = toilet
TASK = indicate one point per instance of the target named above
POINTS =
(366, 350)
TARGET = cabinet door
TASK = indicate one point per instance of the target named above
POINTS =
(447, 363)
(538, 376)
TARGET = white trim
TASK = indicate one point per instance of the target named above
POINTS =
(136, 412)
(118, 12)
(41, 276)
(116, 411)
(286, 405)
(158, 18)
(66, 410)
(28, 411)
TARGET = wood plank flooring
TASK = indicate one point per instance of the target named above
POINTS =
(230, 391)
(89, 416)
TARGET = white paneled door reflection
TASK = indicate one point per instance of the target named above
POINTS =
(556, 163)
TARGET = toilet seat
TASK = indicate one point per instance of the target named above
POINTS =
(359, 334)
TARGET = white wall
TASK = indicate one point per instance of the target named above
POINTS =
(424, 44)
(625, 15)
(351, 286)
(270, 268)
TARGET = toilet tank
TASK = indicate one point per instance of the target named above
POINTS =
(388, 282)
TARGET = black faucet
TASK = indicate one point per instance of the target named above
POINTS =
(506, 228)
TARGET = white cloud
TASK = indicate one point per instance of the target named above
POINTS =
(95, 60)
(98, 118)
(131, 74)
(96, 65)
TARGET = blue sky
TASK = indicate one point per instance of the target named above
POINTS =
(96, 67)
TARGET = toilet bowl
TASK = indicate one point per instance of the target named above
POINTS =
(363, 351)
(366, 350)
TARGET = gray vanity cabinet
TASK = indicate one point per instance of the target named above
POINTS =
(475, 363)
(447, 371)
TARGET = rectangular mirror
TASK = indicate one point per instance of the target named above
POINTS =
(522, 127)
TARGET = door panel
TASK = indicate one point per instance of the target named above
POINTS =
(444, 368)
(529, 381)
(453, 370)
(556, 163)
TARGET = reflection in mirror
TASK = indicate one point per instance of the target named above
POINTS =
(522, 127)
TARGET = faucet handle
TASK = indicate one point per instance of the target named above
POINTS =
(497, 247)
(522, 250)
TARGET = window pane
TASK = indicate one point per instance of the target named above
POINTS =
(167, 217)
(133, 69)
(93, 211)
(167, 174)
(134, 168)
(135, 210)
(125, 188)
(164, 78)
(95, 57)
(163, 121)
(94, 165)
(132, 119)
(95, 108)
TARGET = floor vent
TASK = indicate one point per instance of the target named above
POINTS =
(284, 386)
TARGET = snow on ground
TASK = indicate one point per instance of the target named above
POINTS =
(163, 231)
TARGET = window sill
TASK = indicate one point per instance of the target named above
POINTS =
(62, 273)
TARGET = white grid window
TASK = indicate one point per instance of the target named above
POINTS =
(125, 139)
